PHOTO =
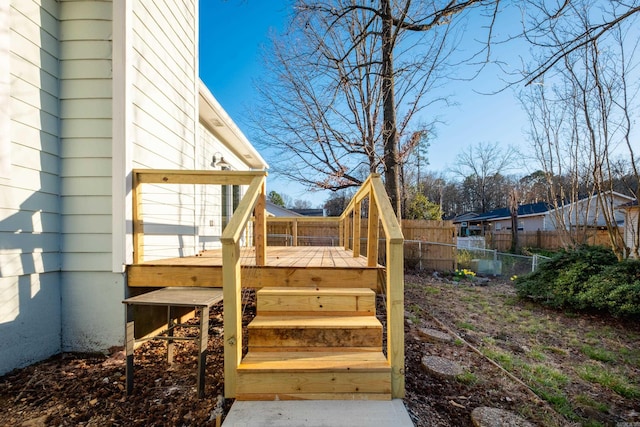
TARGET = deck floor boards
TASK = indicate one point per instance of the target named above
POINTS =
(277, 256)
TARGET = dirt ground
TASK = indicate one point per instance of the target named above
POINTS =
(559, 355)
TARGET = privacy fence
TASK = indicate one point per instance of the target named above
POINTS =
(551, 240)
(429, 245)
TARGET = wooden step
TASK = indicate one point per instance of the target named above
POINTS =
(327, 301)
(314, 375)
(284, 333)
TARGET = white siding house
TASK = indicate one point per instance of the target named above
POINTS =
(632, 227)
(30, 183)
(586, 212)
(92, 90)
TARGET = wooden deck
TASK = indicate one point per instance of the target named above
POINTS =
(327, 266)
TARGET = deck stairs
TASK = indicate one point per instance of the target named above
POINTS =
(314, 343)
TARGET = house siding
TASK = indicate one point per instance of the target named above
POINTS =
(209, 208)
(631, 224)
(93, 88)
(164, 119)
(90, 294)
(29, 184)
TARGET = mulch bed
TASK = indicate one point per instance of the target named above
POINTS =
(88, 389)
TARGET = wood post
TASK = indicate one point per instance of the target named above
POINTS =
(231, 291)
(395, 317)
(260, 226)
(373, 232)
(294, 231)
(356, 229)
(137, 224)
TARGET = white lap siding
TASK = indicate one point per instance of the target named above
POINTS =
(29, 183)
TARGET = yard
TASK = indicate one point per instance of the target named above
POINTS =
(584, 369)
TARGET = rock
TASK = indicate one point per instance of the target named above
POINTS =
(481, 281)
(441, 367)
(434, 335)
(36, 422)
(494, 417)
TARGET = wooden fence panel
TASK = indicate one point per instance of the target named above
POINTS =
(433, 249)
(551, 240)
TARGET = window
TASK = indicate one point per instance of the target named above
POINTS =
(229, 202)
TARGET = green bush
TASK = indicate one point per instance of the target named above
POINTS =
(616, 289)
(587, 278)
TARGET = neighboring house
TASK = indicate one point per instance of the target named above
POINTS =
(531, 217)
(586, 212)
(278, 211)
(631, 227)
(310, 212)
(89, 91)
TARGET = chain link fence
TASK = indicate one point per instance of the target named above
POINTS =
(422, 255)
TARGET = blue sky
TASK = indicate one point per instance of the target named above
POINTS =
(232, 34)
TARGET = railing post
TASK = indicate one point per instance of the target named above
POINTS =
(395, 316)
(347, 228)
(260, 226)
(356, 229)
(341, 232)
(137, 224)
(295, 232)
(231, 297)
(373, 232)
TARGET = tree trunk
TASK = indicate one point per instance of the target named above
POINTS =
(389, 128)
(513, 207)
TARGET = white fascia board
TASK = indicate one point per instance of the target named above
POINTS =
(216, 119)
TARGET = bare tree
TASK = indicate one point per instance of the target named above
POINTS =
(559, 18)
(351, 77)
(513, 212)
(581, 117)
(482, 168)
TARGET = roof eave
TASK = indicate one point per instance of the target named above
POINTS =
(216, 119)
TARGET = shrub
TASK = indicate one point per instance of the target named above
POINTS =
(616, 289)
(587, 278)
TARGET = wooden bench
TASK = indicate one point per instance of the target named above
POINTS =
(201, 299)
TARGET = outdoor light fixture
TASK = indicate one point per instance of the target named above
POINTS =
(218, 160)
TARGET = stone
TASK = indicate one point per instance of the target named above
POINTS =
(485, 416)
(434, 335)
(441, 367)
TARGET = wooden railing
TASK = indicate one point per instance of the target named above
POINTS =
(253, 204)
(380, 210)
(254, 200)
(166, 176)
(329, 226)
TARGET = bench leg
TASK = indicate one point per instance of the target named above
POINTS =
(171, 322)
(203, 339)
(129, 343)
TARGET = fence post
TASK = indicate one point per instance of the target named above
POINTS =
(534, 263)
(420, 254)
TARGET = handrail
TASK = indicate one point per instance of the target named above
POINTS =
(254, 198)
(177, 176)
(380, 210)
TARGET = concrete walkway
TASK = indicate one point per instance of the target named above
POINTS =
(318, 413)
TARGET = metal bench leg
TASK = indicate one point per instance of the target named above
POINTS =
(170, 326)
(129, 343)
(203, 339)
